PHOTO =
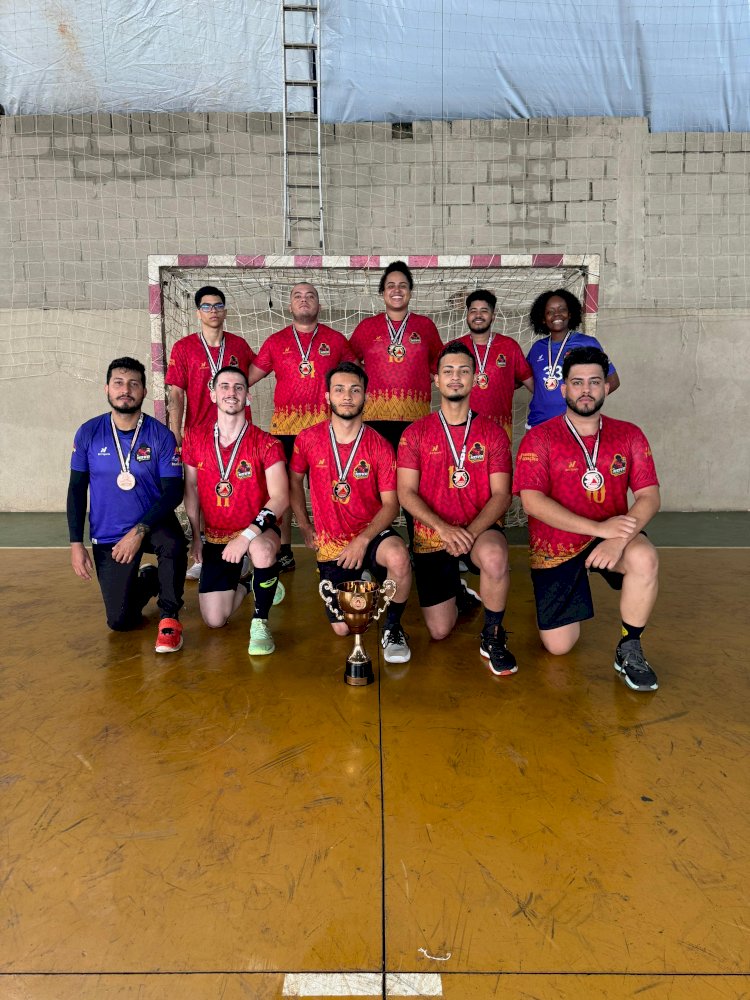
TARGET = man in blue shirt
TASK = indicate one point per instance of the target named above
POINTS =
(131, 466)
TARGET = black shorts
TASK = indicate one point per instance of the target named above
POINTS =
(216, 573)
(287, 443)
(330, 570)
(437, 574)
(563, 593)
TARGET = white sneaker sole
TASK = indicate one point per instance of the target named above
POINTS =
(397, 657)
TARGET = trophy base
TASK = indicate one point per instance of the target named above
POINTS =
(359, 674)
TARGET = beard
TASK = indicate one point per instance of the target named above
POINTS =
(591, 408)
(480, 329)
(124, 407)
(348, 414)
(457, 397)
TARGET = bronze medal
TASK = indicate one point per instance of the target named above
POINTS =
(126, 481)
(481, 380)
(224, 489)
(460, 478)
(341, 491)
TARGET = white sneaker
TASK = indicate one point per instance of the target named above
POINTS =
(194, 573)
(395, 648)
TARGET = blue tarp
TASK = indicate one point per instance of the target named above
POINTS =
(684, 64)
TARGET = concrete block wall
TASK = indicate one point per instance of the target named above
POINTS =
(85, 199)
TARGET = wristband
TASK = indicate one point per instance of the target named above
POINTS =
(265, 519)
(249, 534)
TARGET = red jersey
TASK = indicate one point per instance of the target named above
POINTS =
(372, 473)
(398, 388)
(226, 517)
(299, 400)
(551, 461)
(188, 369)
(505, 369)
(424, 447)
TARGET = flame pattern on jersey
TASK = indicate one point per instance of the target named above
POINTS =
(550, 462)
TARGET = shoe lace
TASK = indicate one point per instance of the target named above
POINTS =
(497, 640)
(260, 629)
(632, 654)
(394, 634)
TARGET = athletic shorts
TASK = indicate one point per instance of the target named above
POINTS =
(287, 443)
(330, 570)
(563, 593)
(216, 573)
(437, 574)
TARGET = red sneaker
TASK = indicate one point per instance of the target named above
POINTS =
(169, 639)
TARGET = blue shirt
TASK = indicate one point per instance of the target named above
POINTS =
(548, 403)
(112, 511)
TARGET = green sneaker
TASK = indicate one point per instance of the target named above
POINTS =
(280, 594)
(261, 640)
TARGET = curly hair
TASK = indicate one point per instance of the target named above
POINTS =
(536, 314)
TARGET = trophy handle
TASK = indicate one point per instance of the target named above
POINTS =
(387, 592)
(324, 587)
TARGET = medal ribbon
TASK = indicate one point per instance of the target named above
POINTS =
(396, 336)
(459, 461)
(482, 362)
(304, 354)
(219, 364)
(125, 461)
(225, 472)
(553, 367)
(590, 459)
(343, 473)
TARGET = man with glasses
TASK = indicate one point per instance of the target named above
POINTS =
(194, 362)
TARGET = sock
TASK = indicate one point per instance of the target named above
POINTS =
(394, 612)
(169, 614)
(492, 621)
(247, 583)
(286, 549)
(630, 632)
(264, 588)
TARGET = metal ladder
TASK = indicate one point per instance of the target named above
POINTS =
(303, 166)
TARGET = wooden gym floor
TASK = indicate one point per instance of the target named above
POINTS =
(203, 825)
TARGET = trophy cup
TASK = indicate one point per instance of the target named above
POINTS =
(357, 606)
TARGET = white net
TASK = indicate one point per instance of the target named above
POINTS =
(257, 300)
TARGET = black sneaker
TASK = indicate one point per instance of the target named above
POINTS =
(286, 563)
(493, 647)
(633, 667)
(467, 600)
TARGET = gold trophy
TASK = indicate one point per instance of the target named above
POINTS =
(357, 606)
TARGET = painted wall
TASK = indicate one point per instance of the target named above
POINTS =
(85, 199)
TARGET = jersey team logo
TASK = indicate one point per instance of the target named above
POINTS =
(502, 361)
(361, 470)
(619, 465)
(476, 452)
(234, 361)
(324, 350)
(414, 338)
(143, 454)
(244, 470)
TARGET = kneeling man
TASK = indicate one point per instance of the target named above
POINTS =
(573, 473)
(352, 476)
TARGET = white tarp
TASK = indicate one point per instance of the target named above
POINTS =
(684, 64)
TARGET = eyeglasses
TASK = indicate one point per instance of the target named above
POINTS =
(212, 307)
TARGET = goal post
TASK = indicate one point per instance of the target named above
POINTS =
(257, 288)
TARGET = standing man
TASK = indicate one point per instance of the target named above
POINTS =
(454, 478)
(573, 474)
(501, 367)
(235, 478)
(299, 356)
(194, 362)
(131, 465)
(352, 475)
(399, 351)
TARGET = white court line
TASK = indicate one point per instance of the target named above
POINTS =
(362, 984)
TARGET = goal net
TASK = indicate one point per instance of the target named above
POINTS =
(257, 291)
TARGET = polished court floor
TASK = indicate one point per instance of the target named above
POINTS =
(205, 825)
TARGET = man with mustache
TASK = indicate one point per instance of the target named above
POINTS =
(131, 466)
(573, 473)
